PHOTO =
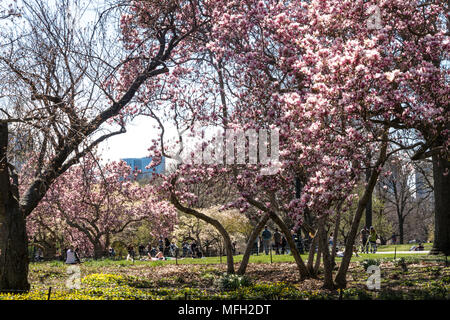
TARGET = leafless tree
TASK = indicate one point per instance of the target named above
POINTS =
(60, 67)
(404, 191)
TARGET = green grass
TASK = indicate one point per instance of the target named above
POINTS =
(403, 247)
(261, 258)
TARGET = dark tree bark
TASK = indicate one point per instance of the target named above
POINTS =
(99, 250)
(13, 233)
(326, 257)
(318, 255)
(435, 147)
(14, 258)
(251, 242)
(369, 204)
(441, 175)
(401, 232)
(312, 254)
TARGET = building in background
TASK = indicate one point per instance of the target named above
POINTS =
(423, 178)
(140, 164)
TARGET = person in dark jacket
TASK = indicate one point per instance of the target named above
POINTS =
(166, 247)
(266, 237)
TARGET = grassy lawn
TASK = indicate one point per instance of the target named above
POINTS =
(403, 247)
(414, 277)
(260, 259)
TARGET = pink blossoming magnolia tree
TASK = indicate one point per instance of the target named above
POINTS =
(337, 86)
(254, 99)
(98, 202)
(361, 75)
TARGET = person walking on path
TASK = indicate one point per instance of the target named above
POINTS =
(297, 237)
(77, 255)
(141, 250)
(194, 250)
(373, 240)
(173, 249)
(364, 238)
(266, 237)
(112, 252)
(261, 244)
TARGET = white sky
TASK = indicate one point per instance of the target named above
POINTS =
(132, 144)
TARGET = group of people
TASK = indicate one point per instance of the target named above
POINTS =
(191, 250)
(164, 249)
(369, 239)
(167, 248)
(68, 255)
(277, 242)
(266, 242)
(419, 247)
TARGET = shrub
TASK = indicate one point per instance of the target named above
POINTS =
(233, 281)
(369, 262)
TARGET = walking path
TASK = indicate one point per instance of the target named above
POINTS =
(402, 252)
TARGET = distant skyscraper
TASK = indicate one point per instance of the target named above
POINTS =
(140, 164)
(422, 188)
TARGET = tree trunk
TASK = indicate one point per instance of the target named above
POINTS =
(99, 250)
(335, 234)
(441, 176)
(311, 255)
(341, 277)
(369, 204)
(298, 259)
(251, 243)
(401, 232)
(107, 242)
(13, 233)
(14, 249)
(327, 263)
(318, 256)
